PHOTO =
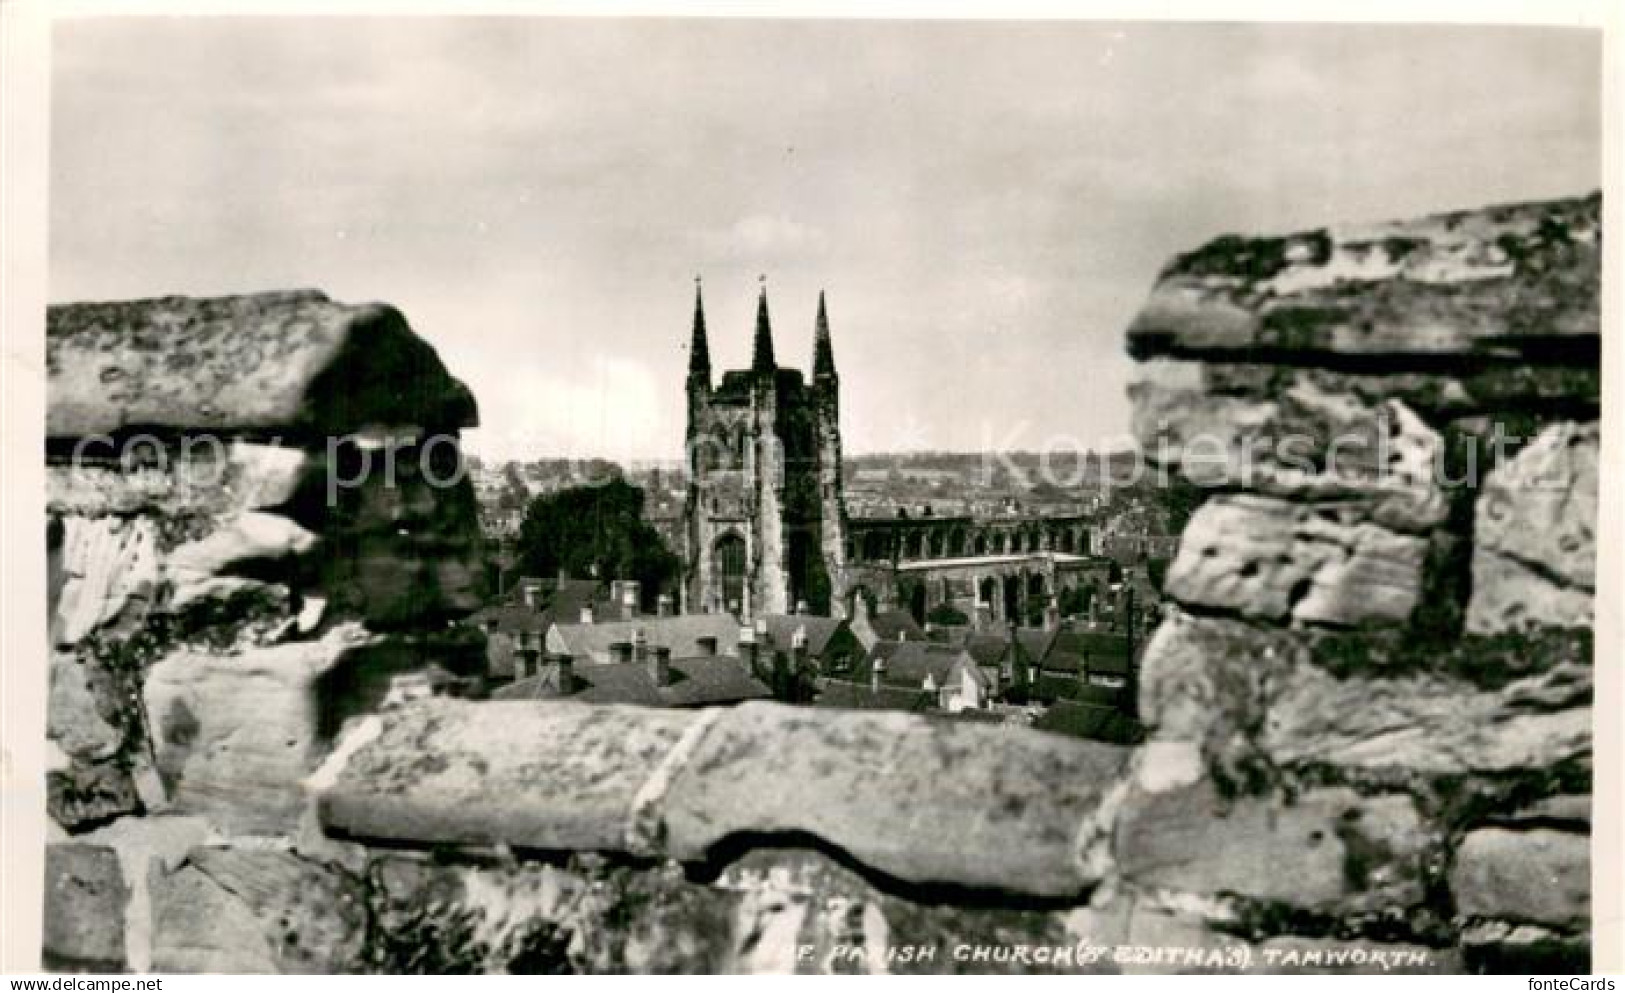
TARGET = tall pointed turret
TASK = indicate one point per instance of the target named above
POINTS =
(699, 352)
(823, 354)
(762, 356)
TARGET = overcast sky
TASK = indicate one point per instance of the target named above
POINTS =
(985, 203)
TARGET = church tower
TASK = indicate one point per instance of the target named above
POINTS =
(765, 515)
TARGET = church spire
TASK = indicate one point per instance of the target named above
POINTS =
(823, 354)
(699, 353)
(762, 356)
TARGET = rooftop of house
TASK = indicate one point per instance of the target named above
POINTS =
(909, 663)
(1073, 649)
(681, 633)
(695, 682)
(845, 694)
(889, 624)
(512, 618)
(820, 630)
(1090, 721)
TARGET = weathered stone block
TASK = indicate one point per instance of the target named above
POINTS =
(1539, 876)
(1428, 724)
(256, 911)
(234, 736)
(1535, 551)
(1331, 849)
(1541, 507)
(1271, 559)
(203, 477)
(110, 565)
(74, 717)
(1206, 679)
(547, 775)
(1510, 596)
(267, 361)
(1375, 458)
(148, 848)
(1502, 281)
(926, 802)
(85, 897)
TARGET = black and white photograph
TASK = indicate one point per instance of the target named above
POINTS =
(558, 495)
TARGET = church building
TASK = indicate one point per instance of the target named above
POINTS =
(764, 518)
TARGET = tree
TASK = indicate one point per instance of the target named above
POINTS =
(596, 531)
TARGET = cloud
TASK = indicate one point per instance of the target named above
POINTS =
(767, 237)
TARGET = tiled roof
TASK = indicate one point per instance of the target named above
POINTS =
(908, 663)
(844, 695)
(990, 649)
(1090, 721)
(710, 681)
(986, 649)
(819, 630)
(1051, 685)
(510, 618)
(1102, 651)
(680, 633)
(1037, 641)
(888, 624)
(695, 682)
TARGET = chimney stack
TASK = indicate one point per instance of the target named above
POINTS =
(663, 605)
(801, 606)
(564, 670)
(640, 646)
(748, 649)
(876, 671)
(1052, 614)
(629, 599)
(660, 665)
(586, 614)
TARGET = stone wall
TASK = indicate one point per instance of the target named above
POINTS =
(1377, 674)
(1369, 707)
(248, 534)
